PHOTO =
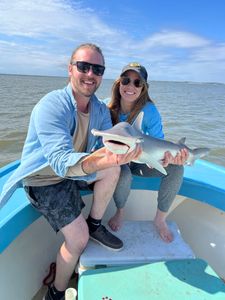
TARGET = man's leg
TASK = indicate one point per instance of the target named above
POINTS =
(104, 188)
(103, 191)
(61, 205)
(76, 238)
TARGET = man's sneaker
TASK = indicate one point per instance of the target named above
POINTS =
(52, 294)
(106, 238)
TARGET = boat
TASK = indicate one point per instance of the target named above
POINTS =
(28, 245)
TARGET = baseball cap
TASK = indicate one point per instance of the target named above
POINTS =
(136, 67)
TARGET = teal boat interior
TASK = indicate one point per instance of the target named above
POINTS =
(191, 280)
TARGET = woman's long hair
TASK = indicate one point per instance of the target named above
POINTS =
(115, 106)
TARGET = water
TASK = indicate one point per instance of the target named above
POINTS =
(192, 110)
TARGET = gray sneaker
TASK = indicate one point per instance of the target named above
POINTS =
(106, 239)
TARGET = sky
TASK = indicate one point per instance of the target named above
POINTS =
(175, 40)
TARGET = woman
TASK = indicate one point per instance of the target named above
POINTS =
(129, 97)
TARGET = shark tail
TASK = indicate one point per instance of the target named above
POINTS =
(196, 154)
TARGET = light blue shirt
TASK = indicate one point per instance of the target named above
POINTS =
(151, 122)
(49, 139)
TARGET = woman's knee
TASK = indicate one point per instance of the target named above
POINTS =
(175, 170)
(125, 174)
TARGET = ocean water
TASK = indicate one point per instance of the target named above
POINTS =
(192, 110)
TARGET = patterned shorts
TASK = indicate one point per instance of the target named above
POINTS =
(60, 203)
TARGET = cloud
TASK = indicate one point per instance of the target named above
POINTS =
(211, 53)
(50, 18)
(37, 37)
(176, 39)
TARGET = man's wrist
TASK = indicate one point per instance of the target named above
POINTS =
(83, 168)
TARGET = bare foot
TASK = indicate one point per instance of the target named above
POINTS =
(115, 223)
(163, 230)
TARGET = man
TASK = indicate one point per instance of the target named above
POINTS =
(58, 160)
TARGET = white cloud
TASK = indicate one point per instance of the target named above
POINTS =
(175, 39)
(50, 18)
(212, 53)
(37, 37)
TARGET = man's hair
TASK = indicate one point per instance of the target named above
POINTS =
(90, 46)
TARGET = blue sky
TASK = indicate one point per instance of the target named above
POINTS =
(175, 39)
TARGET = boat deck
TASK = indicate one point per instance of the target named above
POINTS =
(182, 279)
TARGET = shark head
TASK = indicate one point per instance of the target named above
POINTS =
(120, 139)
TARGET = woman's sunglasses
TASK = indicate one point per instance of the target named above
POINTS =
(84, 67)
(136, 82)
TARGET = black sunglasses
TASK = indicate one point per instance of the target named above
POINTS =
(84, 67)
(136, 82)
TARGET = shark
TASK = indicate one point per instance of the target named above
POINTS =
(123, 137)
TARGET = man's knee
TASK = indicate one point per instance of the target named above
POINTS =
(82, 241)
(79, 243)
(113, 173)
(77, 237)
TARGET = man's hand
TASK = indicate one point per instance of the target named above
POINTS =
(103, 159)
(179, 159)
(121, 159)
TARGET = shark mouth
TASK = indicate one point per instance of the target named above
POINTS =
(117, 147)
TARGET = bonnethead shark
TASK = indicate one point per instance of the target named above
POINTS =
(123, 137)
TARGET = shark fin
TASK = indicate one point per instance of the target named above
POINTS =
(182, 141)
(138, 122)
(154, 164)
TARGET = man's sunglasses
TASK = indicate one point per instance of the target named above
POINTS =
(136, 82)
(84, 67)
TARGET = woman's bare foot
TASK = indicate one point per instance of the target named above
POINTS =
(115, 223)
(162, 228)
(164, 232)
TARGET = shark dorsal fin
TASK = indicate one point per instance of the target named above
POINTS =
(182, 141)
(138, 122)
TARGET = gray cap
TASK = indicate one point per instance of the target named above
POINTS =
(136, 67)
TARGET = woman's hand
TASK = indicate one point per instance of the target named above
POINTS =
(179, 159)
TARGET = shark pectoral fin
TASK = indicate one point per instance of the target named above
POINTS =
(156, 165)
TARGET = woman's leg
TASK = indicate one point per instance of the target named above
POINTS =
(120, 197)
(169, 187)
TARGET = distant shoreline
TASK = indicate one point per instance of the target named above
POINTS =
(174, 81)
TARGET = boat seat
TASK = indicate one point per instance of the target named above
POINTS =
(176, 279)
(142, 244)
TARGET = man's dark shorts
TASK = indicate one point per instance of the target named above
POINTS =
(60, 203)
